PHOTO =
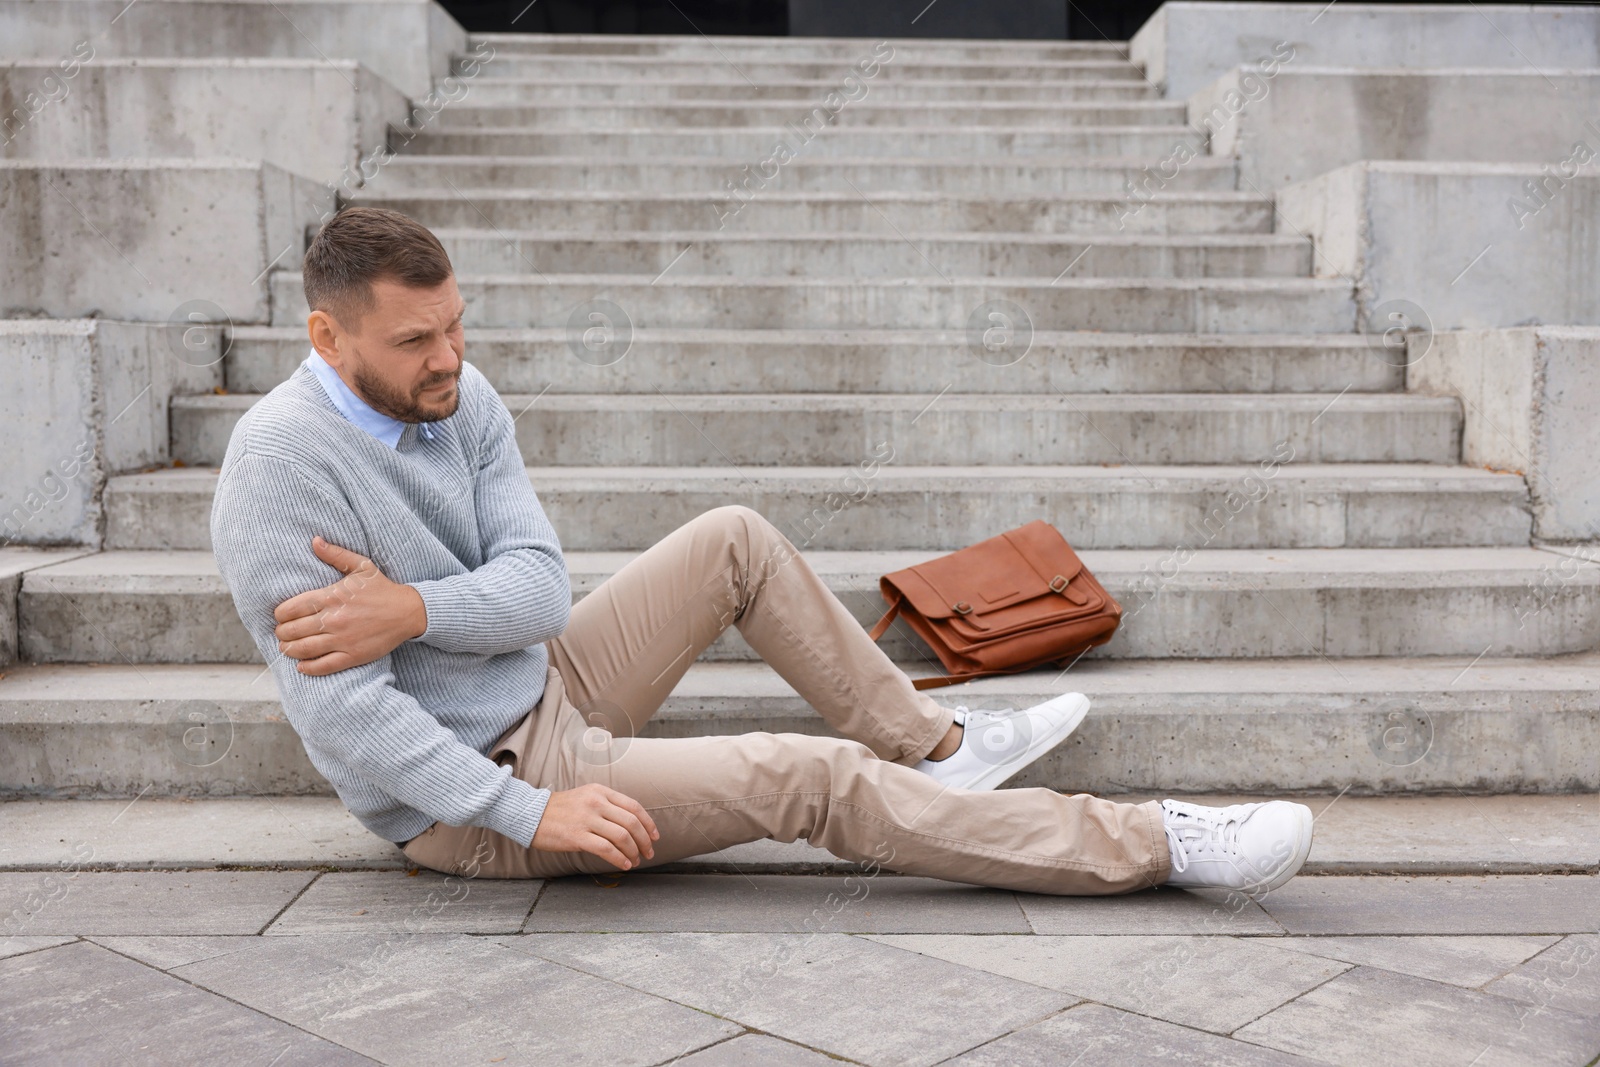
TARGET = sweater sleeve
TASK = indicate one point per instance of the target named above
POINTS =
(263, 519)
(521, 594)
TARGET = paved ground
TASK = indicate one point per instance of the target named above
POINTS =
(335, 965)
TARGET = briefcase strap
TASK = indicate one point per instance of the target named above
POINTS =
(882, 624)
(955, 679)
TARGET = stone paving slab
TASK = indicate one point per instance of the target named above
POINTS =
(81, 1004)
(1209, 983)
(427, 999)
(841, 994)
(778, 903)
(1092, 1035)
(1565, 977)
(148, 902)
(1466, 961)
(1354, 835)
(387, 902)
(756, 1048)
(1493, 904)
(1153, 911)
(16, 946)
(1368, 1016)
(166, 952)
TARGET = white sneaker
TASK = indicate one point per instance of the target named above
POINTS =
(995, 745)
(1253, 848)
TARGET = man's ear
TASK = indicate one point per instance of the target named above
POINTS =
(324, 331)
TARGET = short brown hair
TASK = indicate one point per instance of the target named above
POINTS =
(358, 246)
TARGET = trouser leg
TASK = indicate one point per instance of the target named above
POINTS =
(707, 793)
(836, 795)
(631, 640)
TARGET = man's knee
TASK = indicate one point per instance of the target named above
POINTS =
(736, 517)
(737, 524)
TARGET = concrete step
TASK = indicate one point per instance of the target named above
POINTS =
(913, 69)
(1292, 505)
(1328, 505)
(1160, 305)
(172, 607)
(589, 90)
(15, 561)
(833, 212)
(969, 255)
(734, 47)
(755, 144)
(1523, 834)
(692, 174)
(821, 429)
(878, 361)
(541, 117)
(1489, 725)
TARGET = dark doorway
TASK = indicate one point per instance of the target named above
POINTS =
(757, 17)
(1090, 20)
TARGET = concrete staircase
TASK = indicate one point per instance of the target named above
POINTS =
(1320, 595)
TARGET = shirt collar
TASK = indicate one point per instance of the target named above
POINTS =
(358, 411)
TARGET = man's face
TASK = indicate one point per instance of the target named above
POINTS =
(403, 356)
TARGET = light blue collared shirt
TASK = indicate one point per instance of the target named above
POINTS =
(358, 411)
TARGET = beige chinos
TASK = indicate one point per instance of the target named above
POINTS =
(630, 641)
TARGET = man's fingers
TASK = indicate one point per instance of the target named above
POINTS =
(630, 821)
(613, 831)
(636, 831)
(332, 663)
(304, 626)
(597, 819)
(638, 809)
(307, 603)
(599, 846)
(346, 561)
(310, 647)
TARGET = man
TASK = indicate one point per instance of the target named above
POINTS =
(465, 709)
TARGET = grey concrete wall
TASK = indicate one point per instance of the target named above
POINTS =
(1530, 405)
(1187, 46)
(312, 118)
(408, 43)
(146, 239)
(1456, 245)
(93, 395)
(1308, 120)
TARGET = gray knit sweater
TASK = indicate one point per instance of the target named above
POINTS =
(402, 739)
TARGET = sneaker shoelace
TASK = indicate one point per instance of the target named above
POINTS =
(978, 726)
(979, 716)
(1193, 833)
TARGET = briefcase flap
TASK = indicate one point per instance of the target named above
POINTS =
(1000, 572)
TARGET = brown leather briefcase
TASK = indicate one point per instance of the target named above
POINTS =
(1016, 601)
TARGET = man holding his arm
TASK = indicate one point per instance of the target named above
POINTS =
(383, 544)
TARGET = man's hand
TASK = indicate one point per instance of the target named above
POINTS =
(360, 618)
(596, 818)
